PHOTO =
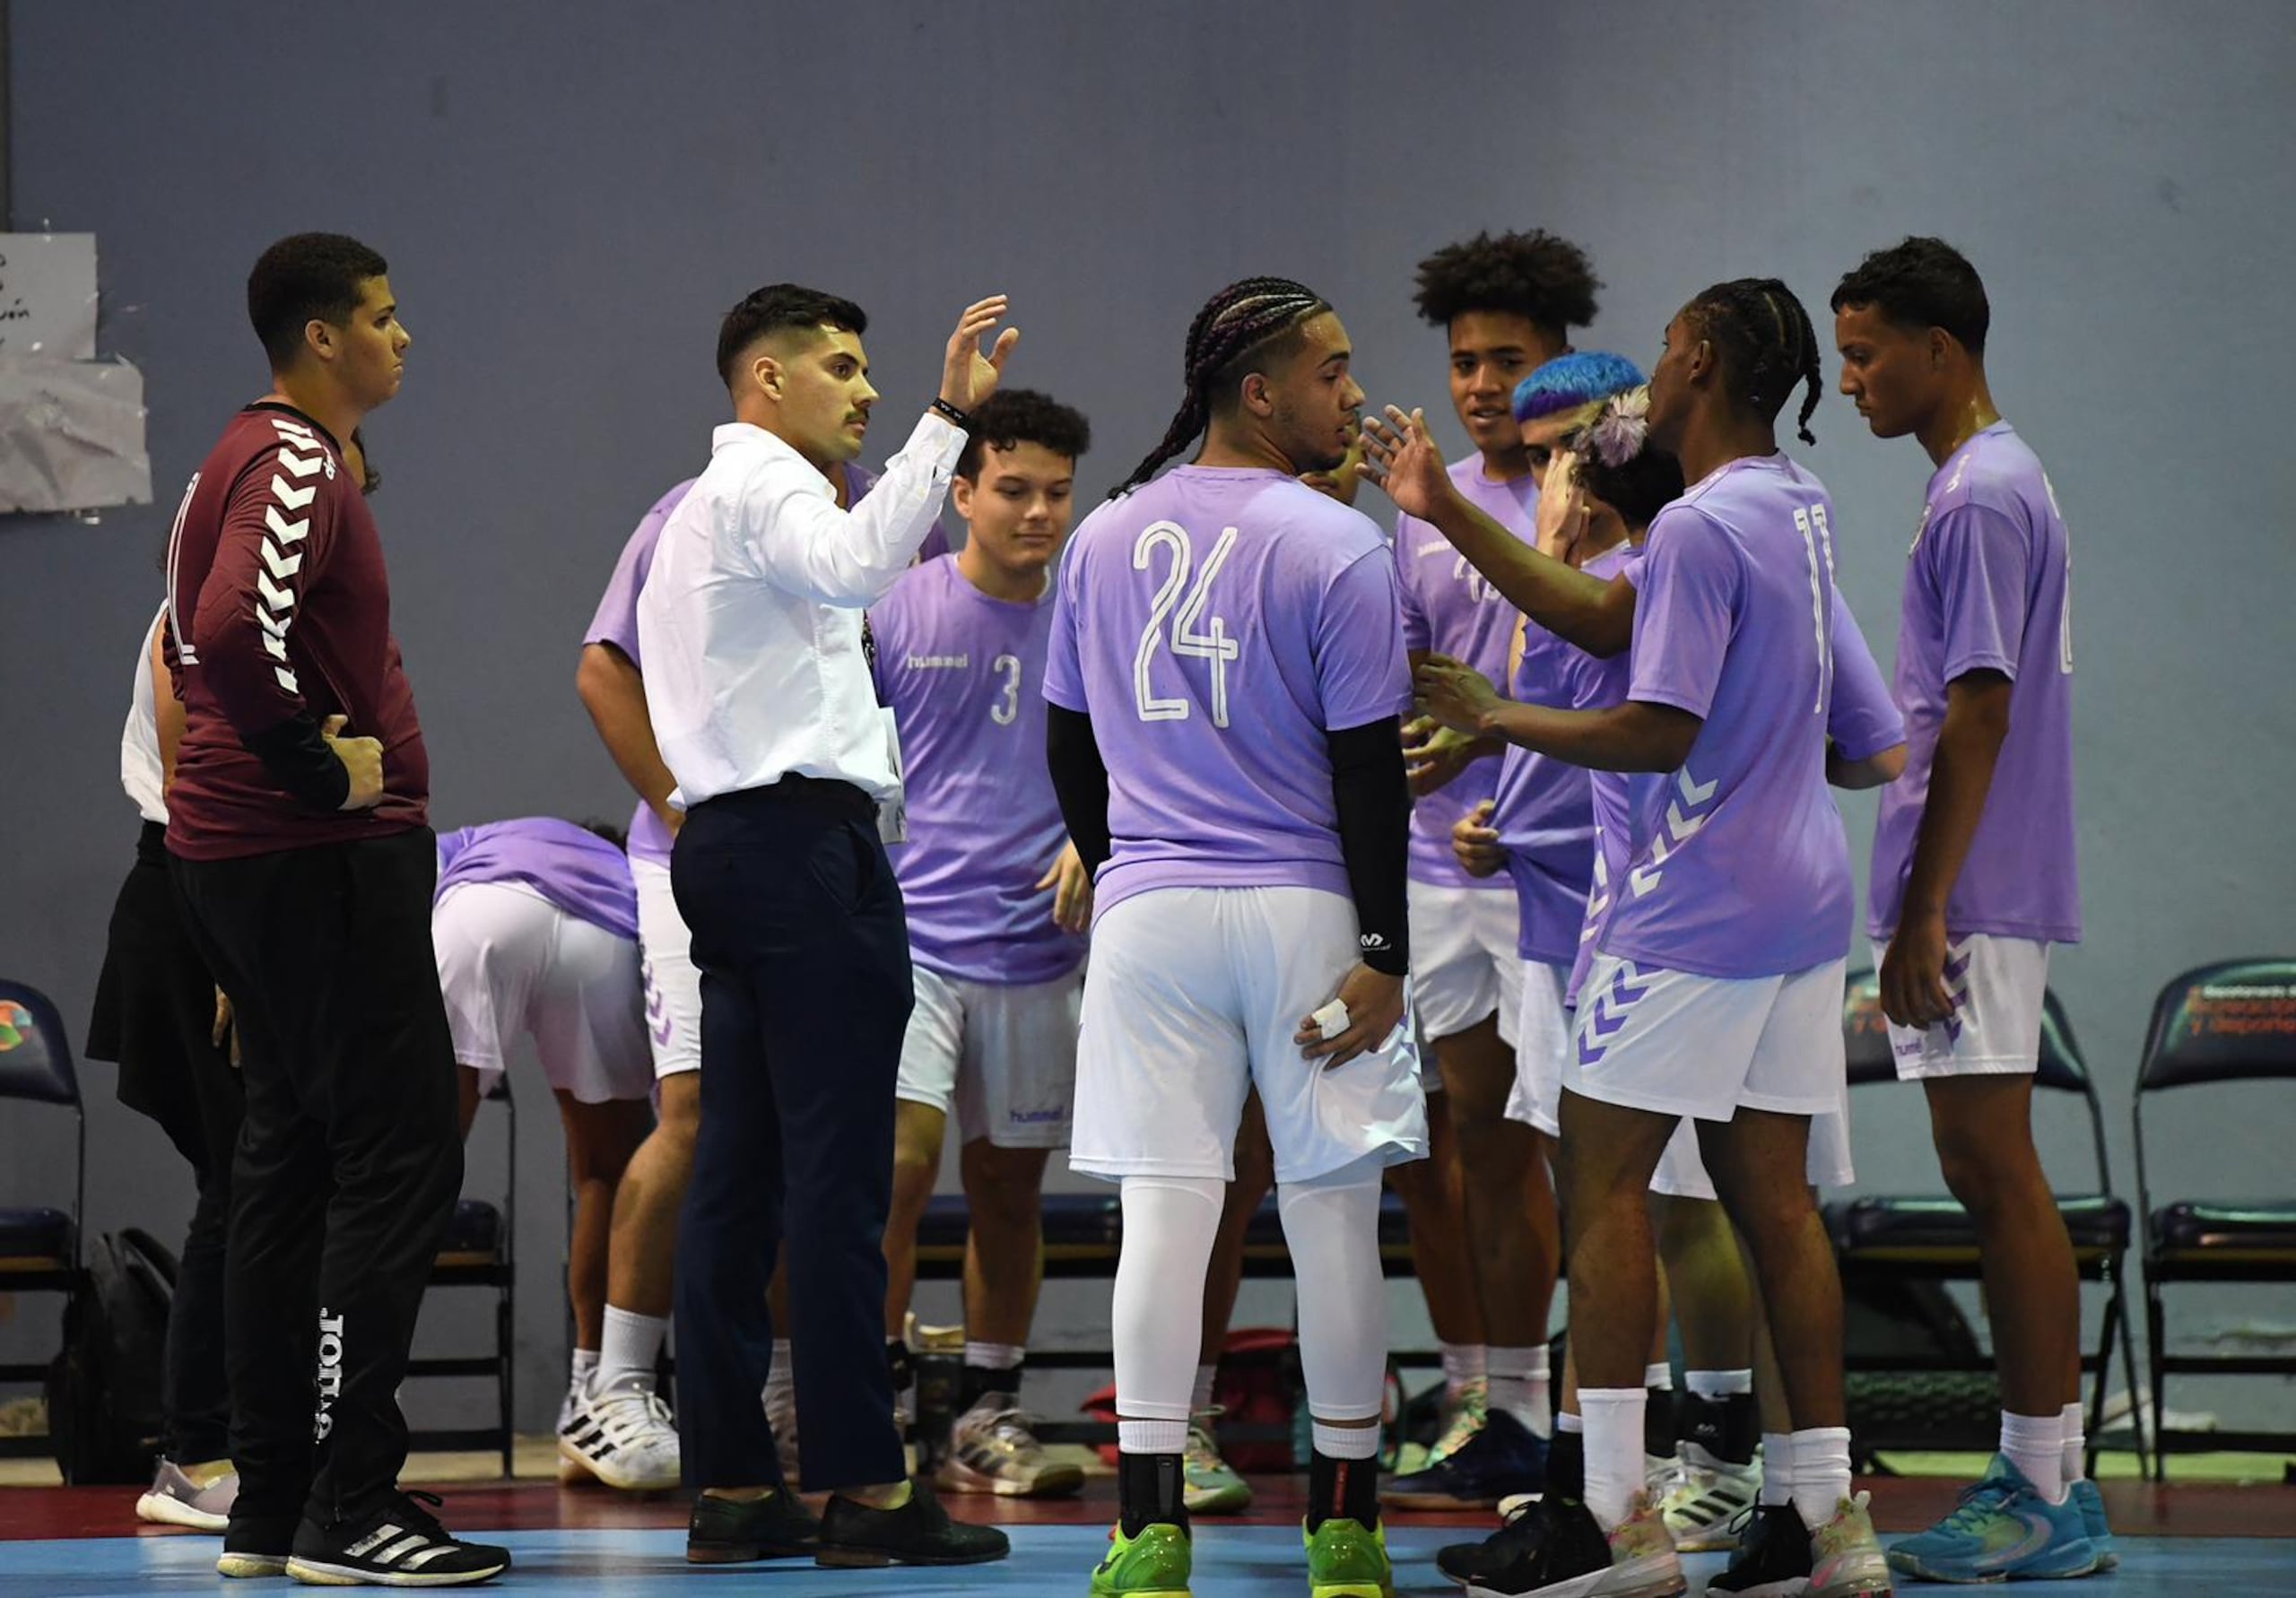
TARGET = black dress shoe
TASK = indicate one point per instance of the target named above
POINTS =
(731, 1532)
(919, 1532)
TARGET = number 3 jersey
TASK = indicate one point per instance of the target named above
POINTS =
(1738, 866)
(963, 673)
(1215, 624)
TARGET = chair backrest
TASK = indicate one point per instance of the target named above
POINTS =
(1866, 1040)
(35, 1053)
(2234, 1020)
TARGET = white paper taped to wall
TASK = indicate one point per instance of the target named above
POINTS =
(47, 295)
(71, 435)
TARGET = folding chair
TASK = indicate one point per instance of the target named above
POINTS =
(2231, 1022)
(39, 1249)
(478, 1252)
(1935, 1239)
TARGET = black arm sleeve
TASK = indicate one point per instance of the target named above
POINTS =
(1373, 800)
(301, 762)
(1080, 781)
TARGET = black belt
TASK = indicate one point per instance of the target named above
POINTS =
(823, 793)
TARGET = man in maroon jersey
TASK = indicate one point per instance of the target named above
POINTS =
(299, 834)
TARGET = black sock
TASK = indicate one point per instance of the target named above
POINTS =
(1726, 1427)
(977, 1379)
(1566, 1465)
(1148, 1489)
(1658, 1422)
(1343, 1489)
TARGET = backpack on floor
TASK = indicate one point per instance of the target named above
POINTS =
(105, 1416)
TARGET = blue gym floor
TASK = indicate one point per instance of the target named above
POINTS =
(1046, 1560)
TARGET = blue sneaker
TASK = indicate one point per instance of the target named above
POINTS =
(2100, 1530)
(1503, 1458)
(2002, 1530)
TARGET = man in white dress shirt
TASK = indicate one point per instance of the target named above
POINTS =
(758, 684)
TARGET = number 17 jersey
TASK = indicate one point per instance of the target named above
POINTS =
(1216, 624)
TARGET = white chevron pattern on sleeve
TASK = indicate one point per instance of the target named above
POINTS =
(282, 549)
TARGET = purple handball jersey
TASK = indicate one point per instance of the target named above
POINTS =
(1215, 625)
(1737, 865)
(570, 866)
(1450, 609)
(965, 674)
(1987, 587)
(616, 623)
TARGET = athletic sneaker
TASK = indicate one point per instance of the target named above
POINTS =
(918, 1533)
(2002, 1530)
(622, 1435)
(1557, 1545)
(399, 1545)
(175, 1500)
(1347, 1560)
(1502, 1458)
(993, 1450)
(1464, 1415)
(2092, 1520)
(1773, 1557)
(255, 1549)
(732, 1532)
(1707, 1495)
(1846, 1559)
(1207, 1485)
(1156, 1564)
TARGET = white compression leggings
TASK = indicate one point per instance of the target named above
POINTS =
(1332, 1226)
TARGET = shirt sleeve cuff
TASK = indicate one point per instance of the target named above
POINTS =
(937, 437)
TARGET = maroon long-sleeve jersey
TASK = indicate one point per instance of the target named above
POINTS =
(279, 616)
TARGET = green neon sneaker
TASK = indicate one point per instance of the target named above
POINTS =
(1208, 1484)
(1153, 1565)
(1346, 1560)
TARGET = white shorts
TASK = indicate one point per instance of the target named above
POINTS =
(673, 981)
(1545, 1035)
(509, 961)
(1463, 968)
(1192, 998)
(1704, 1046)
(1002, 1057)
(1998, 985)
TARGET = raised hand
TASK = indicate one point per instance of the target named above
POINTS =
(362, 758)
(1459, 696)
(967, 377)
(1400, 457)
(1562, 513)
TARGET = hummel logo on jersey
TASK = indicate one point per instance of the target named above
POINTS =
(939, 663)
(1434, 546)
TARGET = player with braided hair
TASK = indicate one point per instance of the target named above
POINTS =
(1226, 680)
(1714, 990)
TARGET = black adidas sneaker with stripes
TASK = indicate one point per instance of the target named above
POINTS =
(400, 1545)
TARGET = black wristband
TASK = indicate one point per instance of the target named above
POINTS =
(942, 407)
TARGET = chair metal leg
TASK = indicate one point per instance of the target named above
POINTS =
(2097, 1393)
(2156, 1331)
(2120, 1312)
(503, 1378)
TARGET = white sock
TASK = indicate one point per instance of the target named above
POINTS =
(1567, 1421)
(1821, 1473)
(1462, 1363)
(1152, 1437)
(1511, 1373)
(1156, 1312)
(1331, 1226)
(1345, 1442)
(1613, 1417)
(1538, 1411)
(1776, 1468)
(996, 1356)
(1201, 1400)
(2035, 1445)
(1715, 1385)
(2076, 1444)
(631, 1346)
(1658, 1377)
(586, 1365)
